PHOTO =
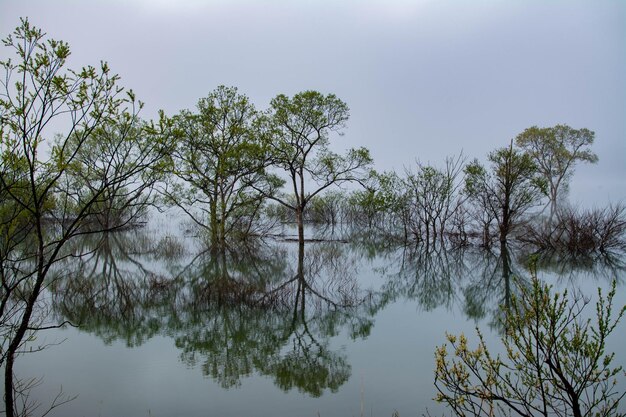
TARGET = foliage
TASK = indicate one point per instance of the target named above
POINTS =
(301, 128)
(119, 161)
(555, 361)
(507, 191)
(328, 208)
(382, 204)
(556, 150)
(53, 191)
(221, 151)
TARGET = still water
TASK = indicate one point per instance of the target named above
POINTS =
(343, 328)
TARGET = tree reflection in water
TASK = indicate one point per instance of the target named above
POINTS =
(481, 282)
(232, 313)
(496, 277)
(433, 275)
(112, 291)
(273, 309)
(571, 266)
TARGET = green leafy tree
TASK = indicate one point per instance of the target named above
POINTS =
(384, 203)
(220, 152)
(301, 128)
(327, 209)
(555, 362)
(93, 165)
(555, 151)
(508, 190)
(49, 195)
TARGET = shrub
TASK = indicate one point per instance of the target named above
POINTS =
(554, 364)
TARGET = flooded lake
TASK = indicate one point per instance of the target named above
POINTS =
(346, 326)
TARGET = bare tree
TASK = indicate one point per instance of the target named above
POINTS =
(434, 198)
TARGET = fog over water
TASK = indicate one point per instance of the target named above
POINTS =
(424, 79)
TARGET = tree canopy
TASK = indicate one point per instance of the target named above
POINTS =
(301, 127)
(508, 190)
(221, 152)
(555, 151)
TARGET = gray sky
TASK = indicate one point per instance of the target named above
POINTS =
(424, 79)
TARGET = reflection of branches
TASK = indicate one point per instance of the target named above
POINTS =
(234, 341)
(437, 276)
(326, 273)
(27, 406)
(112, 289)
(429, 274)
(232, 312)
(492, 287)
(278, 326)
(483, 283)
(371, 245)
(230, 342)
(569, 266)
(437, 272)
(230, 277)
(311, 367)
(325, 285)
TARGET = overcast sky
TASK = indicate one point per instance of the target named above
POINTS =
(424, 79)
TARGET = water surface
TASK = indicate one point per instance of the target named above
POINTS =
(340, 328)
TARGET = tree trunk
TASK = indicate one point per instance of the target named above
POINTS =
(505, 226)
(553, 203)
(301, 292)
(506, 275)
(300, 221)
(16, 342)
(222, 223)
(8, 385)
(214, 224)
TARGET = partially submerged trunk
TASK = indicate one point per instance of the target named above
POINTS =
(300, 222)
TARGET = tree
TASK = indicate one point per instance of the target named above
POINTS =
(220, 152)
(55, 191)
(508, 191)
(434, 198)
(301, 127)
(383, 203)
(555, 151)
(327, 209)
(120, 161)
(555, 361)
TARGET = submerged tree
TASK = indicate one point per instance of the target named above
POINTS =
(555, 361)
(49, 194)
(220, 152)
(434, 198)
(302, 127)
(508, 191)
(555, 151)
(384, 204)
